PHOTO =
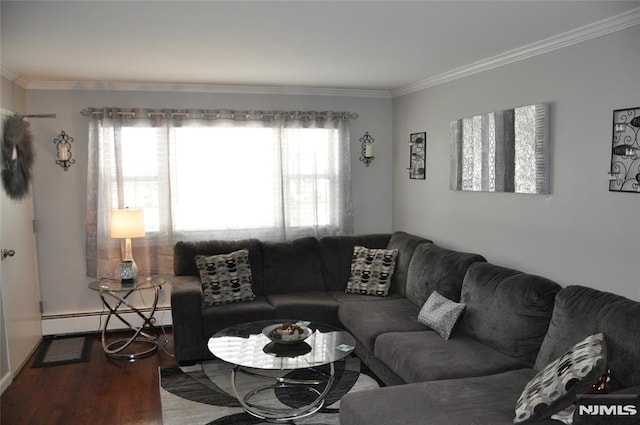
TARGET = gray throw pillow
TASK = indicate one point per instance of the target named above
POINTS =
(225, 278)
(440, 314)
(557, 385)
(371, 271)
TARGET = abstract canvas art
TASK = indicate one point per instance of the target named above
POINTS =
(502, 151)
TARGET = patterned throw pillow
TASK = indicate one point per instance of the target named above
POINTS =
(371, 271)
(226, 278)
(556, 386)
(440, 314)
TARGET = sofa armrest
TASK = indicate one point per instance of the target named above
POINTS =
(186, 312)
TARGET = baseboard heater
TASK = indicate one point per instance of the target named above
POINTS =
(60, 324)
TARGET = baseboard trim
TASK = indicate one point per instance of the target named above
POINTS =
(5, 381)
(62, 324)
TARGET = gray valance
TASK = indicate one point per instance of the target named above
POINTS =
(215, 114)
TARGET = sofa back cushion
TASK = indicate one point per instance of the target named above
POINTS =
(292, 266)
(433, 268)
(184, 257)
(581, 311)
(507, 310)
(406, 244)
(337, 252)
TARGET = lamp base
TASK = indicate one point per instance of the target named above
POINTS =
(127, 257)
(127, 274)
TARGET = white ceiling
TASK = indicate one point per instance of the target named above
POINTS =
(362, 45)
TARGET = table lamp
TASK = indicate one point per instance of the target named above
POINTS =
(127, 224)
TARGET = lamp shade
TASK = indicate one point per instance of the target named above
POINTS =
(127, 223)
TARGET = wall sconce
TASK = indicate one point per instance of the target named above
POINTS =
(624, 173)
(417, 155)
(366, 142)
(63, 149)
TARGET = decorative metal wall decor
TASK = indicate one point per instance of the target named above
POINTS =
(417, 155)
(502, 151)
(366, 142)
(63, 150)
(624, 174)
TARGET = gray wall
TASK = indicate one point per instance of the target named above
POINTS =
(581, 233)
(60, 196)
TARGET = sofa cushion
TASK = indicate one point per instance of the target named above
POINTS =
(556, 386)
(312, 306)
(366, 323)
(371, 271)
(580, 312)
(486, 400)
(425, 356)
(406, 244)
(337, 251)
(433, 268)
(226, 278)
(343, 297)
(440, 314)
(184, 257)
(218, 317)
(506, 309)
(292, 266)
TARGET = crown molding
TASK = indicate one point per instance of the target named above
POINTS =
(203, 88)
(597, 29)
(13, 77)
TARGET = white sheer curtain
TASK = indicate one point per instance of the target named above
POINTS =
(198, 175)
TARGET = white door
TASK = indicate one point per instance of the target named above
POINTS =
(18, 281)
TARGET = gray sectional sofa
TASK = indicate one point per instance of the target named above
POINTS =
(514, 324)
(488, 393)
(303, 278)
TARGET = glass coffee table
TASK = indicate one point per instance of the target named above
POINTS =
(252, 353)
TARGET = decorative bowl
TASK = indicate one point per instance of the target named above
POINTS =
(286, 333)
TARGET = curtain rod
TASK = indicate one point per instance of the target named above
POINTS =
(214, 114)
(36, 115)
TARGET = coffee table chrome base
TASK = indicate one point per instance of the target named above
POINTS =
(283, 414)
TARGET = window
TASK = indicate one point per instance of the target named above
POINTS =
(226, 178)
(202, 174)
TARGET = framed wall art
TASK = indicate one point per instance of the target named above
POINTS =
(502, 151)
(417, 155)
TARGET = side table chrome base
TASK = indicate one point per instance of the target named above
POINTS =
(117, 349)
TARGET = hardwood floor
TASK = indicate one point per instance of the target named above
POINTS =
(101, 391)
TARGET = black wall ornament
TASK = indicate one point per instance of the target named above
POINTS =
(417, 155)
(17, 157)
(624, 173)
(63, 150)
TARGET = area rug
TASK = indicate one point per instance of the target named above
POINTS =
(59, 350)
(202, 394)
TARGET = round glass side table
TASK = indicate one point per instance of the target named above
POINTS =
(143, 340)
